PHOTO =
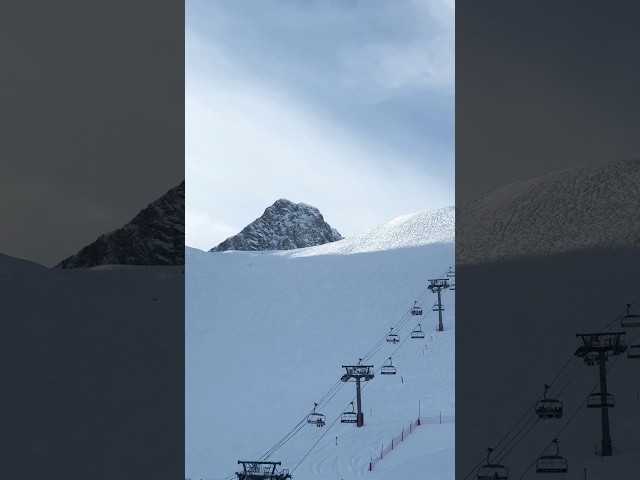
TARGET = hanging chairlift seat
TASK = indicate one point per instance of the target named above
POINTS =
(388, 369)
(438, 308)
(316, 418)
(493, 472)
(392, 337)
(594, 401)
(633, 351)
(416, 310)
(417, 333)
(549, 408)
(552, 464)
(630, 320)
(349, 416)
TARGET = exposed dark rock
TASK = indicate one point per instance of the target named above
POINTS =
(154, 237)
(283, 226)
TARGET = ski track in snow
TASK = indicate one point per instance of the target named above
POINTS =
(267, 333)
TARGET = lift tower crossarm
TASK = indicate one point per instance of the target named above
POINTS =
(359, 372)
(437, 285)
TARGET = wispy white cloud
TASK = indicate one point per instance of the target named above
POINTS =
(424, 60)
(253, 136)
(201, 227)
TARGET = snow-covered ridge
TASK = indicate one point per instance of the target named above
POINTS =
(283, 226)
(416, 229)
(568, 210)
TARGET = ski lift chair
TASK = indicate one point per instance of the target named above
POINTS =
(549, 407)
(595, 401)
(349, 416)
(417, 333)
(629, 319)
(388, 369)
(416, 310)
(392, 337)
(633, 351)
(316, 418)
(492, 471)
(552, 463)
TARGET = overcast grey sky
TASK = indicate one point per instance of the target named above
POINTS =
(347, 106)
(543, 86)
(91, 103)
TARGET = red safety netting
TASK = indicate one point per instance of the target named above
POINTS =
(406, 431)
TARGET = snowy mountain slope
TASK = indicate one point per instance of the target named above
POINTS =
(283, 226)
(267, 333)
(64, 338)
(569, 210)
(155, 236)
(517, 329)
(421, 228)
(24, 270)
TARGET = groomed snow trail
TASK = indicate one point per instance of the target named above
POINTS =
(267, 333)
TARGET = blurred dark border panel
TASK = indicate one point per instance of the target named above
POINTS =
(92, 242)
(547, 235)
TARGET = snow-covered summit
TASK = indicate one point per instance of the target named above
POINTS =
(568, 210)
(283, 226)
(155, 236)
(415, 229)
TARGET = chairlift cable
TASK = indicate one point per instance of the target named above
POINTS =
(578, 408)
(537, 419)
(609, 325)
(333, 390)
(318, 441)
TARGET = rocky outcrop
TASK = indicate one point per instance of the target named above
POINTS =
(283, 226)
(154, 237)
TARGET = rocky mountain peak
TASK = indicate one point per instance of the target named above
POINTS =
(283, 226)
(155, 236)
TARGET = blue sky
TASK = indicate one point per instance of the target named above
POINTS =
(344, 105)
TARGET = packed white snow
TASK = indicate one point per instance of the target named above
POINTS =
(518, 322)
(420, 228)
(267, 334)
(563, 211)
(85, 352)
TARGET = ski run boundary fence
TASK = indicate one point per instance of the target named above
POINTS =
(406, 431)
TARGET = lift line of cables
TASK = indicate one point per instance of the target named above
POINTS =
(399, 324)
(578, 408)
(577, 362)
(338, 385)
(340, 414)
